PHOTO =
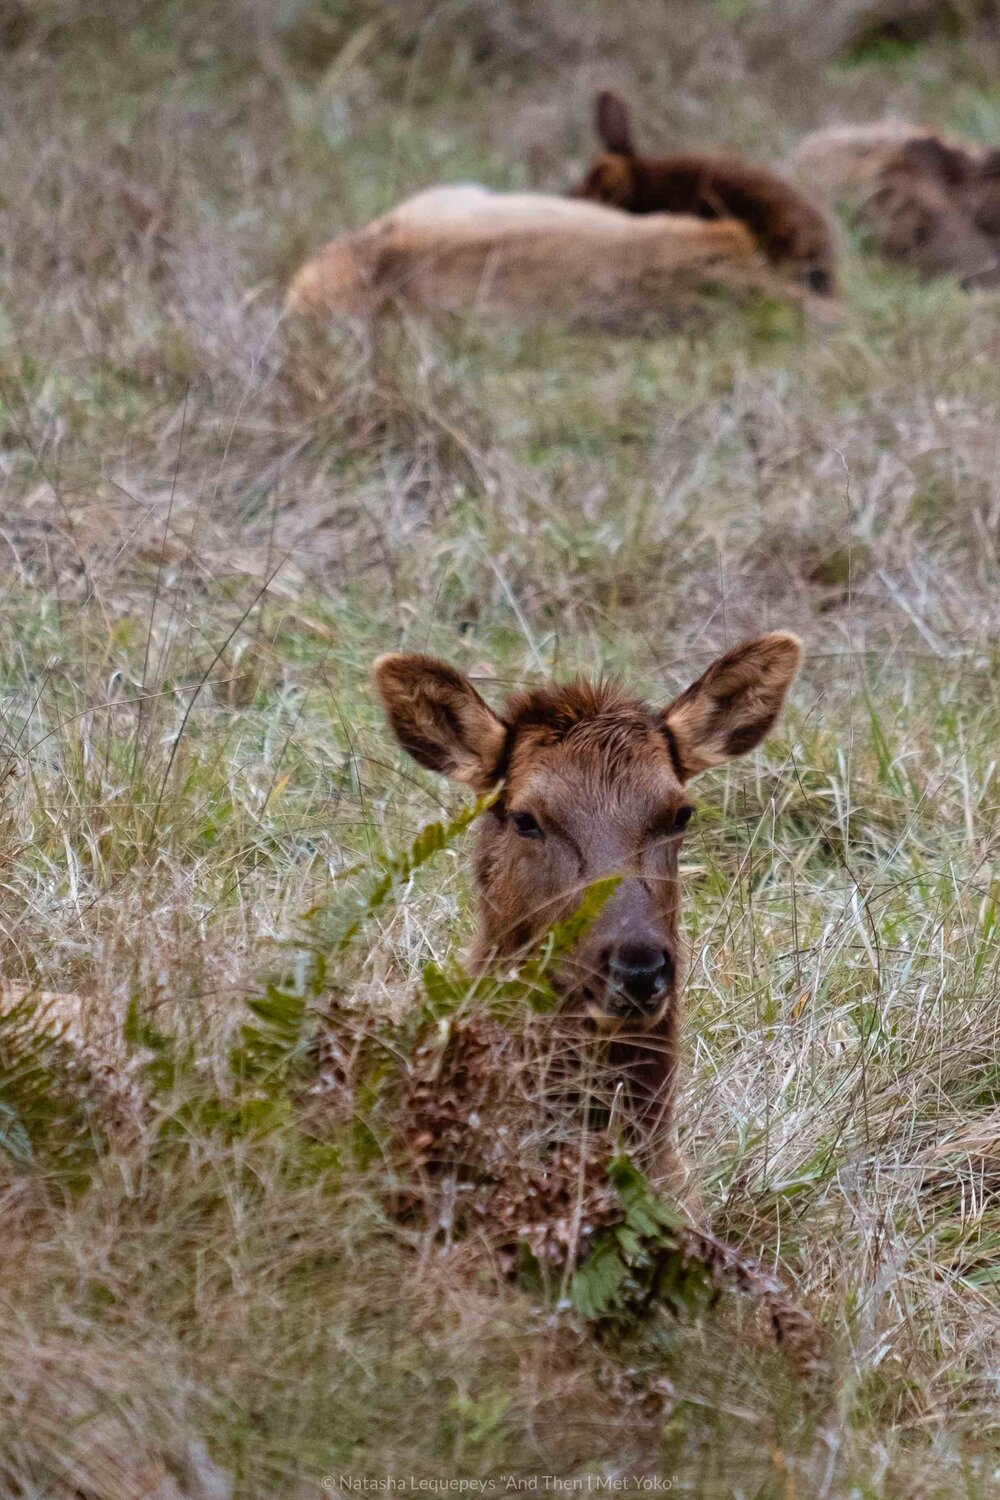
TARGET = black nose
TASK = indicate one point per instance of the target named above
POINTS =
(640, 973)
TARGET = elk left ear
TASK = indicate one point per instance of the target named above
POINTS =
(732, 706)
(612, 121)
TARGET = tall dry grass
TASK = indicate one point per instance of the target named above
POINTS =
(210, 524)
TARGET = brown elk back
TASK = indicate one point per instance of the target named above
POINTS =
(793, 232)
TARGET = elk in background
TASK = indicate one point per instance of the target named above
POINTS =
(923, 201)
(794, 234)
(520, 255)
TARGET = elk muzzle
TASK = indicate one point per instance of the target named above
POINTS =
(629, 959)
(638, 977)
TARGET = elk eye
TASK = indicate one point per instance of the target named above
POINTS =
(525, 825)
(671, 825)
(683, 817)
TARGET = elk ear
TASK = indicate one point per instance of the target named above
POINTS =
(613, 128)
(733, 705)
(439, 718)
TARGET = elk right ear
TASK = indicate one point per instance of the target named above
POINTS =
(439, 718)
(613, 128)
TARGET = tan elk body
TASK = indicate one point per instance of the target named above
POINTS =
(520, 255)
(592, 783)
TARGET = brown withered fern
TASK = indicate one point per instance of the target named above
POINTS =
(479, 1162)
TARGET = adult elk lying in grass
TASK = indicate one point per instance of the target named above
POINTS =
(925, 202)
(522, 255)
(794, 234)
(593, 784)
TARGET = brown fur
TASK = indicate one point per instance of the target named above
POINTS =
(521, 255)
(793, 232)
(592, 785)
(926, 202)
(936, 208)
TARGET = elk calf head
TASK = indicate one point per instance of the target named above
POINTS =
(593, 784)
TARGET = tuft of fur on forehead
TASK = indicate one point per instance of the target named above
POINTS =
(597, 718)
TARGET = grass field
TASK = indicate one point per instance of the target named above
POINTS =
(209, 526)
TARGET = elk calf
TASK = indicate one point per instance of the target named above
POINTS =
(925, 202)
(593, 783)
(524, 255)
(793, 232)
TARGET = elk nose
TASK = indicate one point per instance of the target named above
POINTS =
(640, 972)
